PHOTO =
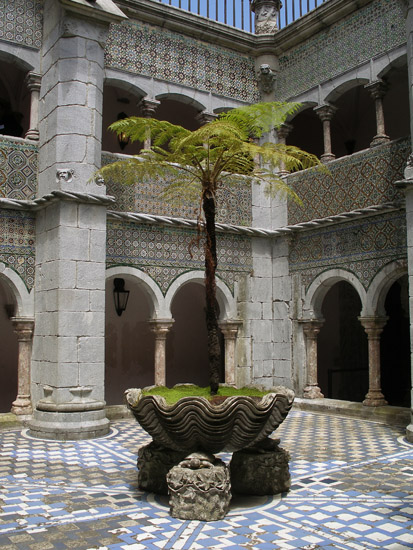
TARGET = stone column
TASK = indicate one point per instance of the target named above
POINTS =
(148, 108)
(229, 329)
(311, 329)
(282, 134)
(69, 336)
(23, 328)
(374, 327)
(160, 327)
(266, 15)
(326, 113)
(33, 81)
(377, 91)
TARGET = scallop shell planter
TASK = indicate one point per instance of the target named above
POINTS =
(196, 424)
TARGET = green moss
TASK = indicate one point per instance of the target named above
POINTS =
(172, 395)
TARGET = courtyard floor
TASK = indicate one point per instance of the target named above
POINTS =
(352, 483)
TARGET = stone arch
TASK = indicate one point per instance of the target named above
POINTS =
(179, 109)
(182, 98)
(380, 285)
(226, 302)
(129, 341)
(18, 294)
(322, 284)
(344, 87)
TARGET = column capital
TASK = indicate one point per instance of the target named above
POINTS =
(373, 325)
(33, 81)
(230, 327)
(23, 327)
(204, 117)
(326, 111)
(312, 327)
(284, 130)
(148, 106)
(377, 88)
(161, 327)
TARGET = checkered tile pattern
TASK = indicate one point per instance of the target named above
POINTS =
(351, 489)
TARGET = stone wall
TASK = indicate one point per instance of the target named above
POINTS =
(370, 31)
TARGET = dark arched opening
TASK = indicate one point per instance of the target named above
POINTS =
(9, 354)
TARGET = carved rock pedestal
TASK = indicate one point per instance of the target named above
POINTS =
(154, 462)
(199, 488)
(260, 471)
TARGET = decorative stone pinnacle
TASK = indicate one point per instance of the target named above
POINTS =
(266, 15)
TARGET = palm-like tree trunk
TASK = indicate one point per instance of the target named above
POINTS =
(214, 348)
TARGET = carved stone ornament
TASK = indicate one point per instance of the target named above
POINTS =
(266, 78)
(196, 424)
(99, 180)
(64, 175)
(266, 15)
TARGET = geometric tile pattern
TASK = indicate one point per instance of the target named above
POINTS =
(234, 203)
(351, 490)
(366, 33)
(21, 21)
(352, 182)
(17, 243)
(159, 53)
(18, 170)
(361, 247)
(165, 253)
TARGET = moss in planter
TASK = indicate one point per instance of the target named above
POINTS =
(172, 395)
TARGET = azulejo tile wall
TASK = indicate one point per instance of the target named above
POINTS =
(18, 170)
(362, 247)
(159, 53)
(366, 33)
(164, 253)
(17, 243)
(234, 202)
(21, 21)
(363, 179)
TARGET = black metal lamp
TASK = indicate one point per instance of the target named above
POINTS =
(120, 295)
(122, 137)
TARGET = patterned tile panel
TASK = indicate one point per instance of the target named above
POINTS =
(234, 204)
(18, 169)
(21, 21)
(159, 53)
(164, 253)
(361, 247)
(366, 33)
(17, 243)
(363, 179)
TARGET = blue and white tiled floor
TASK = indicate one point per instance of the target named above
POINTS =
(352, 483)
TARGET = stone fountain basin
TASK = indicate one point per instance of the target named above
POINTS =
(196, 424)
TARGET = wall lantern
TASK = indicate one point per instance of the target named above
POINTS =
(122, 137)
(120, 295)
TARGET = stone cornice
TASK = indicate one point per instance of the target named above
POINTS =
(103, 11)
(55, 196)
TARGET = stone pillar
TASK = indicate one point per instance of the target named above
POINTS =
(160, 327)
(23, 328)
(266, 15)
(229, 329)
(282, 134)
(311, 329)
(33, 81)
(374, 327)
(326, 113)
(377, 91)
(148, 108)
(69, 334)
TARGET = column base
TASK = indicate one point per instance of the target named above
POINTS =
(379, 140)
(22, 405)
(32, 135)
(69, 425)
(327, 157)
(313, 392)
(374, 399)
